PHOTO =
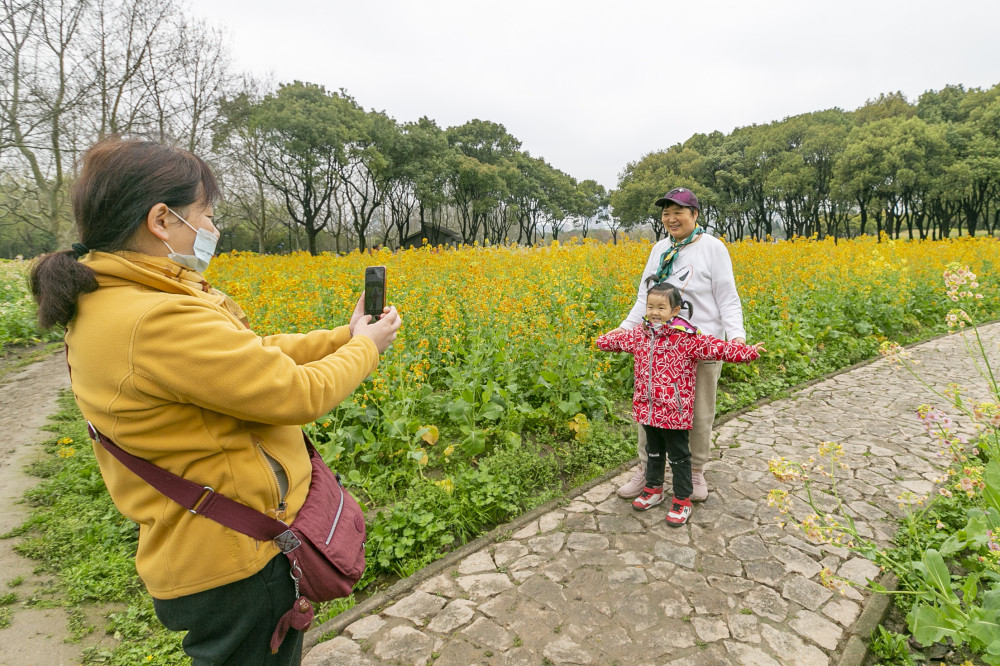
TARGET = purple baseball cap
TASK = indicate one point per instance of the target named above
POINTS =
(680, 196)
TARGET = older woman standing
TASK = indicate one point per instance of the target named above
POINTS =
(167, 368)
(698, 265)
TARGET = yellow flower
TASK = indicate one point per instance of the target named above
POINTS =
(448, 451)
(67, 451)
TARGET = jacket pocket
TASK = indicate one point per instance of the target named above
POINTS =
(677, 396)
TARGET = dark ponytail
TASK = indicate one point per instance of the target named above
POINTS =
(56, 282)
(118, 185)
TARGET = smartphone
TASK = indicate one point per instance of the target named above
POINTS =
(374, 291)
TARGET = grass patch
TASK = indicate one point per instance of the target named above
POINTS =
(75, 533)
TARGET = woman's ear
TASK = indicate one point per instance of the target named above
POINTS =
(156, 221)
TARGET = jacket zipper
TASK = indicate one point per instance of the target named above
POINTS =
(677, 396)
(277, 484)
(652, 344)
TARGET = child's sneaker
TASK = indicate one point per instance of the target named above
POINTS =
(679, 512)
(648, 498)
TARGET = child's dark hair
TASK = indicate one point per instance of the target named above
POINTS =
(672, 293)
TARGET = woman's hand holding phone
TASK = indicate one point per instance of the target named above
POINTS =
(359, 312)
(383, 332)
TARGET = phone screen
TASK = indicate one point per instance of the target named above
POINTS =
(374, 291)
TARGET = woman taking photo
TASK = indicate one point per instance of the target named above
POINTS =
(700, 267)
(167, 368)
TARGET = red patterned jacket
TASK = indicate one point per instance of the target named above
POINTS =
(666, 364)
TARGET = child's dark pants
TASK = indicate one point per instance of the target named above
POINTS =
(673, 444)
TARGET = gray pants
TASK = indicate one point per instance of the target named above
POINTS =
(700, 437)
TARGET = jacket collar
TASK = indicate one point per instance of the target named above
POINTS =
(159, 273)
(674, 325)
(682, 324)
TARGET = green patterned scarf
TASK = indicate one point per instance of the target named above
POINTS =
(667, 258)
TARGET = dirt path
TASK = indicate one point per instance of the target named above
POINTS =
(36, 636)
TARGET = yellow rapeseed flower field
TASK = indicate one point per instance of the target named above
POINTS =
(509, 302)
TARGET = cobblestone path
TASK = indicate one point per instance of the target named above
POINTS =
(594, 582)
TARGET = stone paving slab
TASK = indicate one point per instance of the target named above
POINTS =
(594, 582)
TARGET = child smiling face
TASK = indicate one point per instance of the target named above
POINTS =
(659, 310)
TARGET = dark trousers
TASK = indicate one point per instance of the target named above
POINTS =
(232, 624)
(673, 444)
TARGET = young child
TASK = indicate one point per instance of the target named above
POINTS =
(667, 350)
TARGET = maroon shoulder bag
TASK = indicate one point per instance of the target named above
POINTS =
(325, 544)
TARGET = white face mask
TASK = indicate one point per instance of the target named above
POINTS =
(204, 248)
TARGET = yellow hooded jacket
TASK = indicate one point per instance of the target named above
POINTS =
(165, 369)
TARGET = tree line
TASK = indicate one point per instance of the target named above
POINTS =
(928, 169)
(301, 167)
(73, 72)
(307, 168)
(319, 161)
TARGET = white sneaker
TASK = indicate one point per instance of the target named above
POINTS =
(649, 498)
(634, 485)
(679, 512)
(699, 487)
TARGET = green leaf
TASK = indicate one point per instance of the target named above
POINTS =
(928, 624)
(936, 573)
(569, 407)
(985, 626)
(862, 327)
(953, 544)
(396, 428)
(491, 411)
(459, 410)
(975, 529)
(992, 479)
(991, 599)
(969, 589)
(475, 443)
(549, 377)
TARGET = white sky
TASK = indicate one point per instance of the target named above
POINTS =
(592, 85)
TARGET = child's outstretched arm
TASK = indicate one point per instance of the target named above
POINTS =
(618, 340)
(708, 348)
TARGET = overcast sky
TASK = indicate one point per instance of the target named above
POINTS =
(591, 86)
